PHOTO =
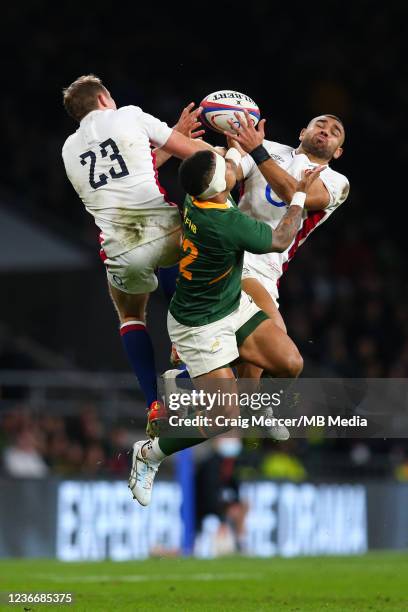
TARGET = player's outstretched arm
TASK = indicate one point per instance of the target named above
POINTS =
(288, 226)
(283, 184)
(187, 124)
(182, 147)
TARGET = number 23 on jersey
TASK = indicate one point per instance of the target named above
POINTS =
(115, 157)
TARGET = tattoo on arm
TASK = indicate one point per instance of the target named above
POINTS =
(285, 232)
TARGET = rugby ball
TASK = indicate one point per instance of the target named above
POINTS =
(222, 105)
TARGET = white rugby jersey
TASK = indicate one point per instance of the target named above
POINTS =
(260, 201)
(110, 165)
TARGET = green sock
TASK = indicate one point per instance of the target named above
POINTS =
(168, 446)
(172, 445)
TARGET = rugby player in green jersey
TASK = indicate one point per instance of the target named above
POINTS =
(211, 321)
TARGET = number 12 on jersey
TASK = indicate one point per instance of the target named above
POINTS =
(115, 157)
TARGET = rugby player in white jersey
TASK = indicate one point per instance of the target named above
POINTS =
(110, 164)
(270, 172)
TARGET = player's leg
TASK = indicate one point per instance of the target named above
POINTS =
(280, 358)
(167, 281)
(131, 279)
(262, 349)
(263, 299)
(136, 340)
(131, 309)
(221, 379)
(286, 359)
(207, 351)
(167, 262)
(148, 454)
(270, 349)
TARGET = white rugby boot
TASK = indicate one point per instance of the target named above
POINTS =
(142, 474)
(276, 432)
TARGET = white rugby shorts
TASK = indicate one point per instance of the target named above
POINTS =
(256, 266)
(207, 347)
(134, 271)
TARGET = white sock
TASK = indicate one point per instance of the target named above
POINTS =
(152, 451)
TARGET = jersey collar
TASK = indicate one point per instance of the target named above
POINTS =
(294, 154)
(91, 114)
(209, 205)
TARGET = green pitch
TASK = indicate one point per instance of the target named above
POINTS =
(375, 582)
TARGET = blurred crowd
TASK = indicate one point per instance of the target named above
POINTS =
(39, 444)
(344, 299)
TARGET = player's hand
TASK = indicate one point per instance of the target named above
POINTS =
(308, 178)
(246, 134)
(188, 123)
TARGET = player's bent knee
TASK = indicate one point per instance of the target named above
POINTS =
(288, 365)
(294, 364)
(132, 314)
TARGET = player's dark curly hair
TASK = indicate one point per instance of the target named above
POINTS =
(195, 172)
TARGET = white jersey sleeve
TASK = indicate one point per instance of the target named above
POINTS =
(158, 132)
(337, 185)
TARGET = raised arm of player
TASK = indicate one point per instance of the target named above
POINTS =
(187, 124)
(283, 184)
(258, 237)
(288, 226)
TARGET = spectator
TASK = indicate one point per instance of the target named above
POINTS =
(23, 459)
(282, 463)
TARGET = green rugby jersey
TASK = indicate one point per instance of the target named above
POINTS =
(214, 240)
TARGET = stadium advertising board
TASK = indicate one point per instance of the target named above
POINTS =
(91, 520)
(98, 520)
(292, 520)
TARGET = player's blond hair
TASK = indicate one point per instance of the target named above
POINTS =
(81, 97)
